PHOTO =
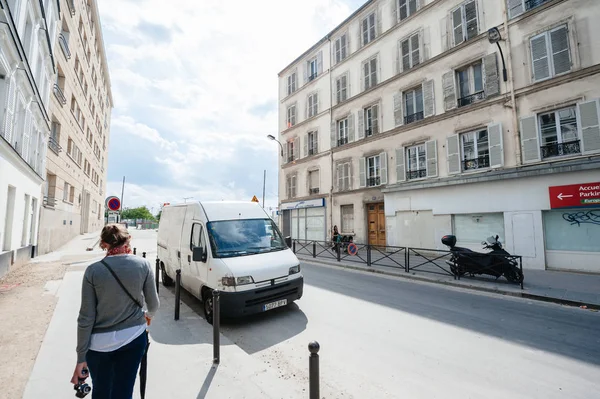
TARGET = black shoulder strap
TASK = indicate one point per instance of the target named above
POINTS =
(121, 284)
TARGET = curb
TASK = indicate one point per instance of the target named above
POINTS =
(541, 298)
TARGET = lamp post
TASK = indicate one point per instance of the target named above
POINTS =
(186, 198)
(495, 37)
(271, 137)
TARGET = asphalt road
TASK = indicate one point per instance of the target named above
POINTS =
(383, 337)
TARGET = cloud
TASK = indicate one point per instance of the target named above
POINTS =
(195, 88)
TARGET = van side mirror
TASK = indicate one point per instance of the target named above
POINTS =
(199, 254)
(288, 241)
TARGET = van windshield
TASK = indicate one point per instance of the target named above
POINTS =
(230, 238)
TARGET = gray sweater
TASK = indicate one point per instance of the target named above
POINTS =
(105, 307)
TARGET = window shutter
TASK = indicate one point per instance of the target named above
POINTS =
(333, 134)
(364, 82)
(400, 166)
(444, 22)
(305, 72)
(405, 48)
(492, 83)
(398, 117)
(415, 44)
(495, 145)
(589, 115)
(457, 27)
(350, 176)
(24, 147)
(449, 90)
(379, 22)
(529, 139)
(431, 156)
(360, 34)
(539, 56)
(515, 8)
(351, 134)
(10, 109)
(335, 50)
(384, 168)
(316, 141)
(319, 62)
(559, 40)
(425, 39)
(398, 57)
(33, 147)
(375, 123)
(362, 175)
(305, 151)
(338, 90)
(296, 148)
(361, 124)
(307, 106)
(453, 153)
(348, 85)
(471, 20)
(336, 178)
(394, 12)
(316, 103)
(428, 99)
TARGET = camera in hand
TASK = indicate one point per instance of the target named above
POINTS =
(81, 388)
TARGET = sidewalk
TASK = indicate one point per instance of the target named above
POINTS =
(575, 289)
(80, 247)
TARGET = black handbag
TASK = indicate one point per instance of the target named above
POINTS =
(144, 363)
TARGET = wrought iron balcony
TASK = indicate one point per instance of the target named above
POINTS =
(476, 163)
(312, 151)
(529, 4)
(64, 45)
(50, 202)
(470, 99)
(314, 191)
(312, 77)
(416, 174)
(373, 181)
(369, 132)
(342, 141)
(53, 145)
(60, 96)
(71, 5)
(560, 149)
(413, 118)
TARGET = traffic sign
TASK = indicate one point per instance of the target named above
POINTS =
(352, 249)
(113, 203)
(575, 195)
(254, 199)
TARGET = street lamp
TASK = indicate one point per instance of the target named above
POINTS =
(271, 137)
(186, 198)
(495, 37)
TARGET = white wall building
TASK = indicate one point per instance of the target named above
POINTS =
(27, 32)
(425, 137)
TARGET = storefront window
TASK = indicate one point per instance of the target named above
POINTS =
(475, 228)
(572, 230)
(308, 224)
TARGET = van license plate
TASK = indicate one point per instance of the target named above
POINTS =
(274, 305)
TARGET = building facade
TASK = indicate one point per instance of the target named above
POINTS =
(26, 73)
(80, 110)
(426, 126)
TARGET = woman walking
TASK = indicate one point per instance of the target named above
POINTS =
(111, 328)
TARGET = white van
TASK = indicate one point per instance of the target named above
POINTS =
(233, 247)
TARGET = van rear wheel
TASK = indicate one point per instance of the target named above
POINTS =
(207, 305)
(166, 280)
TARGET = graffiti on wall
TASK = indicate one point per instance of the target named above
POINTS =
(582, 217)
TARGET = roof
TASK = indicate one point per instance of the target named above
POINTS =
(233, 210)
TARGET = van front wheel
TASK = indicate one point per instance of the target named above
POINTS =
(207, 302)
(166, 280)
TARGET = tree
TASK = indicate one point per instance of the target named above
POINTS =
(158, 216)
(137, 213)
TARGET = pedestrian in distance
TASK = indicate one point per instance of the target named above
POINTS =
(112, 336)
(335, 237)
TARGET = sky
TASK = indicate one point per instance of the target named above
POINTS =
(195, 91)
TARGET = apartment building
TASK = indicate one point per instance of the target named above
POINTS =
(80, 109)
(449, 116)
(26, 73)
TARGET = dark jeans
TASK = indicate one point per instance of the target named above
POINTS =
(113, 373)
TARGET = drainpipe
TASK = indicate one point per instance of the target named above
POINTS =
(331, 150)
(511, 84)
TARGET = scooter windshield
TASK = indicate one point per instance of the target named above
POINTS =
(230, 238)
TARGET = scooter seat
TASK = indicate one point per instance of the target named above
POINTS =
(461, 249)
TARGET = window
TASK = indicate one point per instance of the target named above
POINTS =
(518, 7)
(371, 120)
(347, 218)
(312, 105)
(341, 88)
(470, 84)
(313, 182)
(550, 53)
(312, 69)
(71, 194)
(373, 171)
(410, 52)
(291, 83)
(197, 239)
(291, 150)
(368, 29)
(475, 150)
(291, 115)
(340, 48)
(416, 162)
(406, 8)
(342, 131)
(344, 176)
(86, 167)
(464, 22)
(312, 143)
(559, 133)
(66, 192)
(291, 186)
(413, 101)
(370, 73)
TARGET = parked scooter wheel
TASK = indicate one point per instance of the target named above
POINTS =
(514, 275)
(166, 280)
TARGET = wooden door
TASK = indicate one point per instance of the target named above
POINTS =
(376, 221)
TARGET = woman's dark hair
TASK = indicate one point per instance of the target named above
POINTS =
(115, 235)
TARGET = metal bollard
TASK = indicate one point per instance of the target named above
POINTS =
(216, 327)
(339, 252)
(313, 370)
(135, 251)
(294, 246)
(156, 274)
(368, 255)
(314, 249)
(177, 293)
(406, 261)
(143, 254)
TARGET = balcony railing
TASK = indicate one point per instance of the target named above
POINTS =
(312, 77)
(373, 181)
(53, 145)
(71, 5)
(312, 151)
(314, 191)
(342, 141)
(476, 163)
(529, 4)
(60, 96)
(416, 174)
(470, 99)
(50, 202)
(559, 149)
(413, 118)
(64, 45)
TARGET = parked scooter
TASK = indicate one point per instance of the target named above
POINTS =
(495, 263)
